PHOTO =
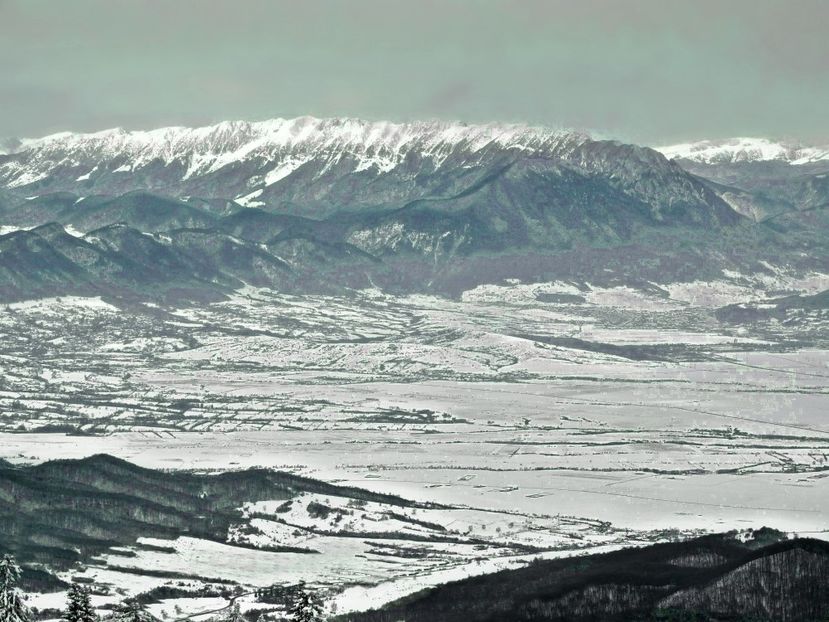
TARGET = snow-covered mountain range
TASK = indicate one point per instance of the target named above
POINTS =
(317, 167)
(307, 203)
(281, 146)
(735, 150)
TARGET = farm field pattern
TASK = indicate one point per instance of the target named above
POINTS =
(528, 420)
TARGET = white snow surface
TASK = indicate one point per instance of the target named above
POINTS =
(285, 143)
(745, 149)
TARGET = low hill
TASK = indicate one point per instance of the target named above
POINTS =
(65, 511)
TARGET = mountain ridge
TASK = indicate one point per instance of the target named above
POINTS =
(746, 149)
(321, 166)
(423, 206)
(205, 150)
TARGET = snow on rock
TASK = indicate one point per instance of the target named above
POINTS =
(249, 200)
(283, 144)
(745, 150)
(283, 170)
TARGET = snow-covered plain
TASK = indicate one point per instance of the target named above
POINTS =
(546, 418)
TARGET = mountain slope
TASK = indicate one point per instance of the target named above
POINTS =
(258, 225)
(314, 204)
(61, 512)
(30, 267)
(758, 177)
(315, 167)
(706, 579)
(120, 261)
(221, 253)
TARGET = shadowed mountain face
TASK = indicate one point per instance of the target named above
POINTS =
(764, 190)
(65, 511)
(760, 178)
(309, 205)
(707, 579)
(179, 265)
(142, 210)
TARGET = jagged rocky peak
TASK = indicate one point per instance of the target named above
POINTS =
(235, 140)
(342, 131)
(739, 150)
(322, 163)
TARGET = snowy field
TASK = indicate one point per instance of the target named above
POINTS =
(546, 419)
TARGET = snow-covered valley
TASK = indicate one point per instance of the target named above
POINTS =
(530, 419)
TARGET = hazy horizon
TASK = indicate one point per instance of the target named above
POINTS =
(641, 71)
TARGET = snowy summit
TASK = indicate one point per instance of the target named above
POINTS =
(735, 150)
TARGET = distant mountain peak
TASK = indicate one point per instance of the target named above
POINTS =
(278, 147)
(361, 135)
(745, 149)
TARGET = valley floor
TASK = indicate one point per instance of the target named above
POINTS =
(542, 420)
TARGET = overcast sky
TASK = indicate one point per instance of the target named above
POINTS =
(649, 71)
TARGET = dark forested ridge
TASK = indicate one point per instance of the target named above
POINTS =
(710, 578)
(60, 513)
(65, 511)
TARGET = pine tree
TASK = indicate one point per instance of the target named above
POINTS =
(12, 608)
(132, 611)
(79, 607)
(234, 614)
(306, 607)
